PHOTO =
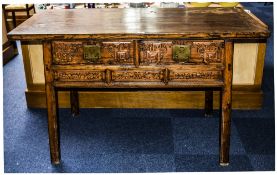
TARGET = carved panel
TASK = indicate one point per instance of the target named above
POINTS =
(160, 52)
(111, 52)
(204, 51)
(78, 75)
(195, 75)
(151, 52)
(137, 75)
(67, 52)
(210, 52)
(117, 52)
(155, 52)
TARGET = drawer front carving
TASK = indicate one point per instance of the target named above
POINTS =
(150, 52)
(207, 52)
(155, 52)
(93, 52)
(117, 52)
(195, 52)
(67, 52)
(137, 75)
(145, 75)
(194, 75)
(78, 75)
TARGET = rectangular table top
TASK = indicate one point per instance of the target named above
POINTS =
(141, 23)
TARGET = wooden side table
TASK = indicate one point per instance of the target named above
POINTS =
(170, 49)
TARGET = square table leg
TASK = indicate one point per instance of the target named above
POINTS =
(51, 99)
(226, 104)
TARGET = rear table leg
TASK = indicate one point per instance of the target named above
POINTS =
(74, 101)
(208, 103)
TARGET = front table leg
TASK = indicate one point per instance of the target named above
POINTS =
(225, 121)
(53, 123)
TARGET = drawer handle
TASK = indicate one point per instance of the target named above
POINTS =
(181, 53)
(92, 53)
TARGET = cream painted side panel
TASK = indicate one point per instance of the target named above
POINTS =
(36, 61)
(245, 58)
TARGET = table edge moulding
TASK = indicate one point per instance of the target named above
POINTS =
(140, 49)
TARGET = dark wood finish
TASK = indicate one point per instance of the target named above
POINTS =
(138, 24)
(28, 13)
(74, 101)
(14, 19)
(53, 124)
(208, 103)
(140, 49)
(226, 105)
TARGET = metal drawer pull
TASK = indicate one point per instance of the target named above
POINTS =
(181, 53)
(92, 53)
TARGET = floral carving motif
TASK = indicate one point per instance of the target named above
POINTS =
(201, 52)
(155, 52)
(129, 76)
(66, 52)
(78, 76)
(197, 75)
(210, 52)
(119, 51)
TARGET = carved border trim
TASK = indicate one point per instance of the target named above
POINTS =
(78, 75)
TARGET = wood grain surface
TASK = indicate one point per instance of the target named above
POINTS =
(140, 23)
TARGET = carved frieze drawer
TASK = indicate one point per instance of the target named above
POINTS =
(144, 75)
(182, 52)
(93, 52)
(166, 75)
(195, 75)
(79, 75)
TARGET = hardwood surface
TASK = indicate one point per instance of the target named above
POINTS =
(141, 23)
